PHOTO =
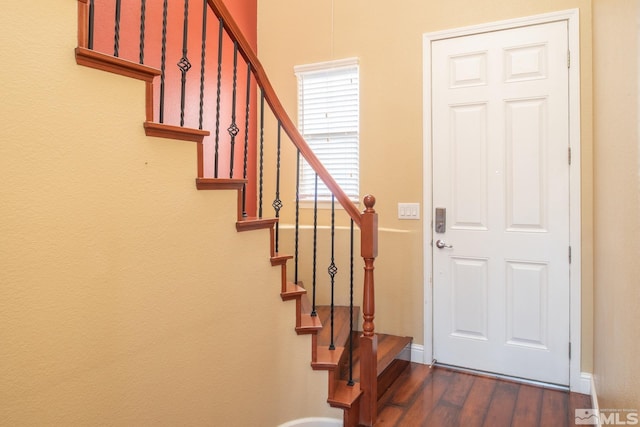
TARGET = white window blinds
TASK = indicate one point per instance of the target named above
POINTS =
(329, 120)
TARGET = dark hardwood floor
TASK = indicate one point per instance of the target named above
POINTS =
(440, 397)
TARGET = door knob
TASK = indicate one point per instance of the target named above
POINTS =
(440, 244)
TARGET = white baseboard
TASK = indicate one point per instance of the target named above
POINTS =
(594, 398)
(417, 354)
(584, 384)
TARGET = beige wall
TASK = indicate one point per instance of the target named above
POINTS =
(119, 301)
(388, 41)
(616, 26)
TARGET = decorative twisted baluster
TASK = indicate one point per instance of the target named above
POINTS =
(261, 154)
(297, 239)
(315, 244)
(91, 29)
(277, 203)
(246, 142)
(233, 127)
(333, 270)
(350, 382)
(184, 63)
(116, 31)
(218, 90)
(205, 8)
(143, 19)
(163, 60)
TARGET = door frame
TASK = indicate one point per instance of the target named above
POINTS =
(578, 382)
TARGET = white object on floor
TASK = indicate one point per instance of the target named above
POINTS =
(313, 422)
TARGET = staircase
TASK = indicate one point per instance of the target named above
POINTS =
(360, 365)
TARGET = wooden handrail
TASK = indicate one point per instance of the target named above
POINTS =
(270, 96)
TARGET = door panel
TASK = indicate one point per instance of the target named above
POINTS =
(526, 300)
(469, 298)
(469, 166)
(526, 196)
(500, 168)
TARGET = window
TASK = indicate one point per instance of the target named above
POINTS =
(329, 120)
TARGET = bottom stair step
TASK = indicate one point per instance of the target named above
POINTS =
(394, 353)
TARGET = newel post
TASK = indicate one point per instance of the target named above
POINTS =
(368, 339)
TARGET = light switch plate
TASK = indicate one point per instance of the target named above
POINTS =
(408, 210)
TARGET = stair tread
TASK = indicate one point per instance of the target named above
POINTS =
(280, 259)
(308, 324)
(123, 67)
(341, 324)
(327, 358)
(292, 291)
(183, 133)
(389, 347)
(253, 223)
(345, 395)
(220, 184)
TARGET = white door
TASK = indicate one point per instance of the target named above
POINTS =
(501, 170)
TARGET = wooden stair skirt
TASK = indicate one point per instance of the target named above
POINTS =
(394, 353)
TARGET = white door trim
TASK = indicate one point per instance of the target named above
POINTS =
(576, 380)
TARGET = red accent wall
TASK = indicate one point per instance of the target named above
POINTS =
(245, 14)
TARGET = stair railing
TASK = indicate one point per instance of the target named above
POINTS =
(134, 14)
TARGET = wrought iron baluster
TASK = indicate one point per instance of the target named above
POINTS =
(315, 245)
(261, 153)
(233, 127)
(184, 63)
(91, 29)
(333, 270)
(163, 60)
(143, 18)
(246, 141)
(116, 31)
(350, 382)
(277, 203)
(203, 51)
(217, 138)
(297, 240)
